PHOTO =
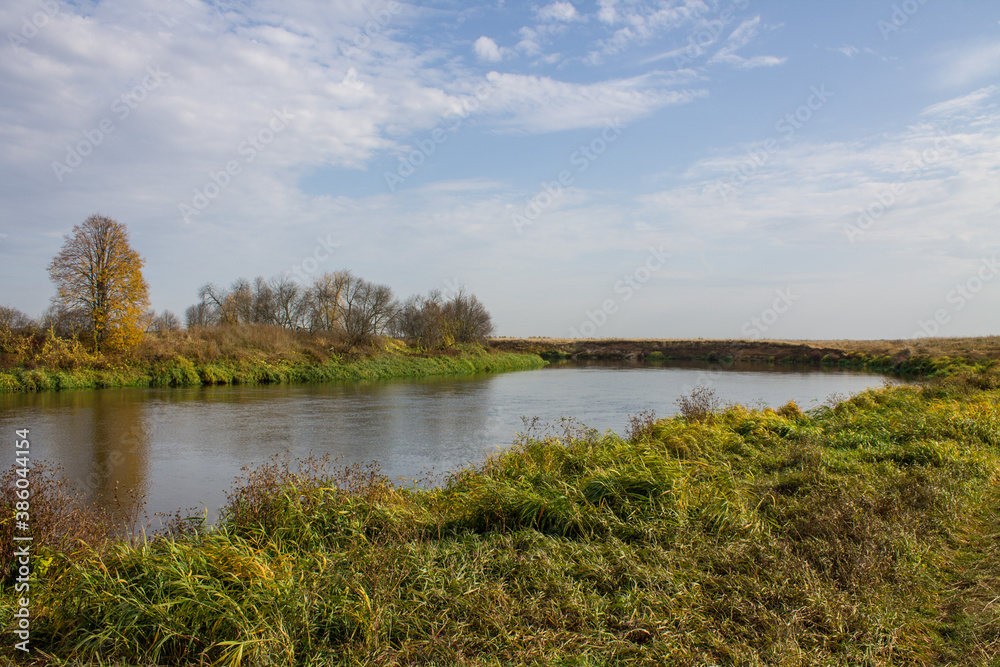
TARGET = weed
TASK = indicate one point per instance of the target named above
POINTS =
(700, 405)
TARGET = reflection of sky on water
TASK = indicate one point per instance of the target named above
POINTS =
(184, 447)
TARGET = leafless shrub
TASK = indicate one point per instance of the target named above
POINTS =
(700, 404)
(640, 425)
(59, 518)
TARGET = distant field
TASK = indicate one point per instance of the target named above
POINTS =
(875, 353)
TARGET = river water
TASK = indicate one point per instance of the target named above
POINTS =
(184, 447)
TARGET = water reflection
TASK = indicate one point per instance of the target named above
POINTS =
(100, 438)
(183, 447)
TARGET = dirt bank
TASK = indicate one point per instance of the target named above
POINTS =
(878, 353)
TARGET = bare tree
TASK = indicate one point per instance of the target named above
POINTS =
(355, 300)
(164, 322)
(382, 307)
(215, 306)
(367, 310)
(198, 315)
(241, 301)
(326, 301)
(265, 305)
(420, 319)
(13, 319)
(434, 323)
(65, 322)
(290, 302)
(468, 320)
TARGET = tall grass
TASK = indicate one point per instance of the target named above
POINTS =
(235, 355)
(861, 533)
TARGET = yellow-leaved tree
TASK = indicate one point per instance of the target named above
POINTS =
(99, 275)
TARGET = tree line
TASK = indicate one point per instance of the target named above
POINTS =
(343, 304)
(101, 295)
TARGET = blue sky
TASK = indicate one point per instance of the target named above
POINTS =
(683, 168)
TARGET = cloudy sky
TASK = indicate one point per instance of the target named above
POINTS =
(676, 168)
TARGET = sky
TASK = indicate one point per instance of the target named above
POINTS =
(608, 168)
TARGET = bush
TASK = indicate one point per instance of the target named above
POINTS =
(700, 405)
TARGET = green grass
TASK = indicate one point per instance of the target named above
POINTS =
(259, 369)
(862, 533)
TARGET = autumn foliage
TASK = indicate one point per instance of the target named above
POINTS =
(99, 276)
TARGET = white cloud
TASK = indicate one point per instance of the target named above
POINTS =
(542, 104)
(608, 13)
(938, 180)
(964, 104)
(530, 43)
(850, 51)
(740, 37)
(641, 22)
(559, 11)
(486, 49)
(969, 64)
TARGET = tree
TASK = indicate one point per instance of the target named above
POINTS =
(198, 315)
(13, 319)
(435, 323)
(99, 275)
(290, 302)
(421, 319)
(164, 322)
(325, 300)
(64, 322)
(367, 310)
(468, 319)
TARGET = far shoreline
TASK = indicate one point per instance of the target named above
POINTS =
(920, 356)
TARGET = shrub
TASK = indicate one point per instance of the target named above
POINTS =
(700, 405)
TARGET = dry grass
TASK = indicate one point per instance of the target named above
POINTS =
(235, 342)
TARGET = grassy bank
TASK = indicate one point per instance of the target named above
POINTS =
(919, 357)
(240, 355)
(861, 533)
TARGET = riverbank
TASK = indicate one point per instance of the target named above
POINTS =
(924, 356)
(249, 355)
(182, 372)
(864, 532)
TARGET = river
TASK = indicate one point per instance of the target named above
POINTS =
(184, 447)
